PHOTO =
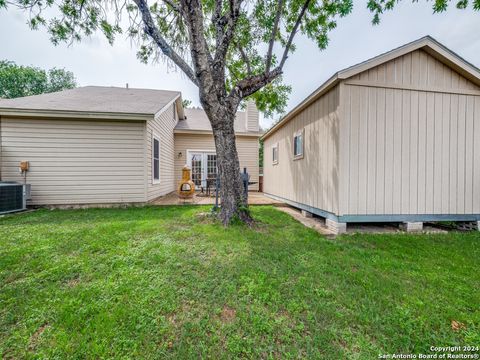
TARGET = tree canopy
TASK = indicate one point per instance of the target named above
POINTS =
(18, 81)
(247, 41)
(241, 34)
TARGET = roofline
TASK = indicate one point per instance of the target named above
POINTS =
(428, 43)
(178, 102)
(91, 115)
(210, 132)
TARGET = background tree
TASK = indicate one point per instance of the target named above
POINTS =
(230, 49)
(186, 103)
(17, 81)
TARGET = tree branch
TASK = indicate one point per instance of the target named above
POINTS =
(293, 33)
(217, 19)
(252, 84)
(173, 6)
(167, 50)
(268, 62)
(225, 36)
(245, 59)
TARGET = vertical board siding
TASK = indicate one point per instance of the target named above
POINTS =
(416, 68)
(247, 148)
(314, 179)
(0, 148)
(476, 159)
(162, 125)
(431, 163)
(76, 161)
(427, 158)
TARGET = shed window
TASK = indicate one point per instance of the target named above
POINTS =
(156, 159)
(275, 154)
(298, 145)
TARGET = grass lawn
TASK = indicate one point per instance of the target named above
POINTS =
(160, 282)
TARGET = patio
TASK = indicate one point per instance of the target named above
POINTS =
(254, 198)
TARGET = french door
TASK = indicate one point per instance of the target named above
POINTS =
(203, 165)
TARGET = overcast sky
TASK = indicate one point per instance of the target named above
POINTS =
(95, 62)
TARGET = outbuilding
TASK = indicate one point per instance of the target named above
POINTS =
(393, 139)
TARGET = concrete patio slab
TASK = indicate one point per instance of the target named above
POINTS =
(254, 198)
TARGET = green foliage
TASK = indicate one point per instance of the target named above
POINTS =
(171, 282)
(186, 103)
(378, 7)
(246, 57)
(18, 81)
(247, 50)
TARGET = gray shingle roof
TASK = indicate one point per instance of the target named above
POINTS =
(197, 120)
(96, 99)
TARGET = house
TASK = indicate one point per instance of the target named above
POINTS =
(101, 145)
(393, 139)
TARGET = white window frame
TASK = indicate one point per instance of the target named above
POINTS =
(274, 161)
(155, 136)
(295, 135)
(205, 153)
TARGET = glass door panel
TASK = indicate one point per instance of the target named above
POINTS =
(204, 167)
(211, 166)
(197, 169)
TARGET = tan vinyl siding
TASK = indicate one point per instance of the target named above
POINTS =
(162, 126)
(313, 180)
(76, 161)
(252, 117)
(247, 148)
(410, 151)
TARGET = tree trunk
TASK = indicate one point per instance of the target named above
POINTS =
(233, 201)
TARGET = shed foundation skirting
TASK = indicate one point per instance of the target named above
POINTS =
(401, 218)
(412, 226)
(336, 227)
(307, 214)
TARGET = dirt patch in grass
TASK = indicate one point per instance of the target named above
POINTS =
(71, 283)
(457, 325)
(32, 344)
(207, 217)
(228, 314)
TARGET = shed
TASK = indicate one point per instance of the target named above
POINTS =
(393, 139)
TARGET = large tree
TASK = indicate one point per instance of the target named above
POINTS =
(17, 81)
(230, 49)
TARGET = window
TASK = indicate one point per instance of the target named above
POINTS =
(298, 145)
(275, 154)
(156, 159)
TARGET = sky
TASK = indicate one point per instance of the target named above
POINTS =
(95, 62)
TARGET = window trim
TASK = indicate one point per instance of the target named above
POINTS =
(295, 135)
(155, 136)
(275, 161)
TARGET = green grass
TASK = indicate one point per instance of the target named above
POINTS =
(159, 282)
